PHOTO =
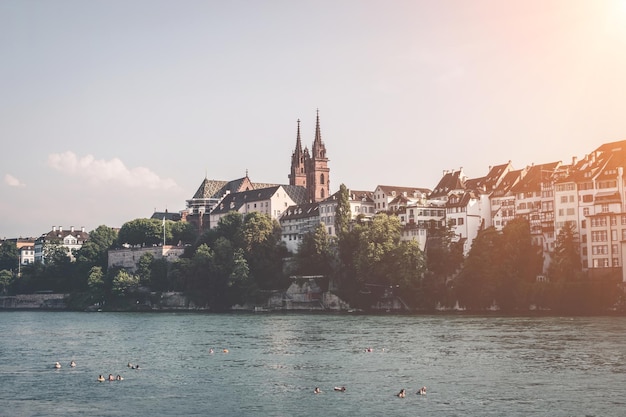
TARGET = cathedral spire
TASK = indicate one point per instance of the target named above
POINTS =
(317, 143)
(298, 175)
(298, 141)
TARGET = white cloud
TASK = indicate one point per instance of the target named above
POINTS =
(11, 181)
(101, 171)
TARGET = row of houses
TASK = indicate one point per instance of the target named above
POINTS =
(31, 250)
(587, 193)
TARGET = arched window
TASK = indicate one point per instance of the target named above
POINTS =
(322, 193)
(322, 179)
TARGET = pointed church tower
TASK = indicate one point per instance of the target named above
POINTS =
(317, 181)
(298, 165)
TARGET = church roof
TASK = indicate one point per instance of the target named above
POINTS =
(217, 188)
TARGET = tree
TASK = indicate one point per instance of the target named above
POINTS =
(444, 258)
(144, 232)
(181, 232)
(342, 211)
(477, 283)
(124, 283)
(6, 278)
(264, 250)
(144, 268)
(314, 253)
(9, 256)
(565, 265)
(94, 251)
(521, 262)
(95, 280)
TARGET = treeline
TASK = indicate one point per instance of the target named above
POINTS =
(242, 260)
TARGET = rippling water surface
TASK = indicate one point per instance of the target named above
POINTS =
(472, 365)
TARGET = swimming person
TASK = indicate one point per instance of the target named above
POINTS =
(402, 393)
(72, 364)
(100, 378)
(57, 365)
(421, 391)
(317, 390)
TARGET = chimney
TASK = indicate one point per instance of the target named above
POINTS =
(72, 229)
(574, 160)
(60, 228)
(82, 229)
(54, 228)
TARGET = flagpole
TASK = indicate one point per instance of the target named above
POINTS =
(164, 231)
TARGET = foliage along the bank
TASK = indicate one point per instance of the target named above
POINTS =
(242, 260)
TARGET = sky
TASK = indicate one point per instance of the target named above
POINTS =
(110, 110)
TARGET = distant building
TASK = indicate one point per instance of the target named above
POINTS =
(272, 201)
(70, 239)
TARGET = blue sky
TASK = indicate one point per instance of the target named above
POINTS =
(112, 109)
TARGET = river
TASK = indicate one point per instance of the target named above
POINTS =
(471, 365)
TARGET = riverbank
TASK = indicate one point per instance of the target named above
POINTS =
(34, 302)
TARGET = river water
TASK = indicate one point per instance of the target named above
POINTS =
(471, 365)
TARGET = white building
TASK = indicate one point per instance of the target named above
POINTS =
(71, 239)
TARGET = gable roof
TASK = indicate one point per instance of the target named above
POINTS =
(451, 180)
(234, 201)
(535, 175)
(297, 193)
(508, 182)
(392, 190)
(217, 188)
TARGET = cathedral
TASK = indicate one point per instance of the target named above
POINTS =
(310, 170)
(308, 183)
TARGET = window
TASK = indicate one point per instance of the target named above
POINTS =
(570, 211)
(605, 208)
(583, 224)
(461, 221)
(563, 199)
(322, 179)
(586, 211)
(599, 236)
(615, 261)
(588, 198)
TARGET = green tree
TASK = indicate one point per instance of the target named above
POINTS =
(124, 283)
(6, 279)
(476, 286)
(159, 276)
(314, 255)
(264, 250)
(9, 256)
(144, 268)
(143, 232)
(521, 262)
(444, 258)
(407, 273)
(565, 265)
(343, 213)
(95, 280)
(94, 251)
(181, 232)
